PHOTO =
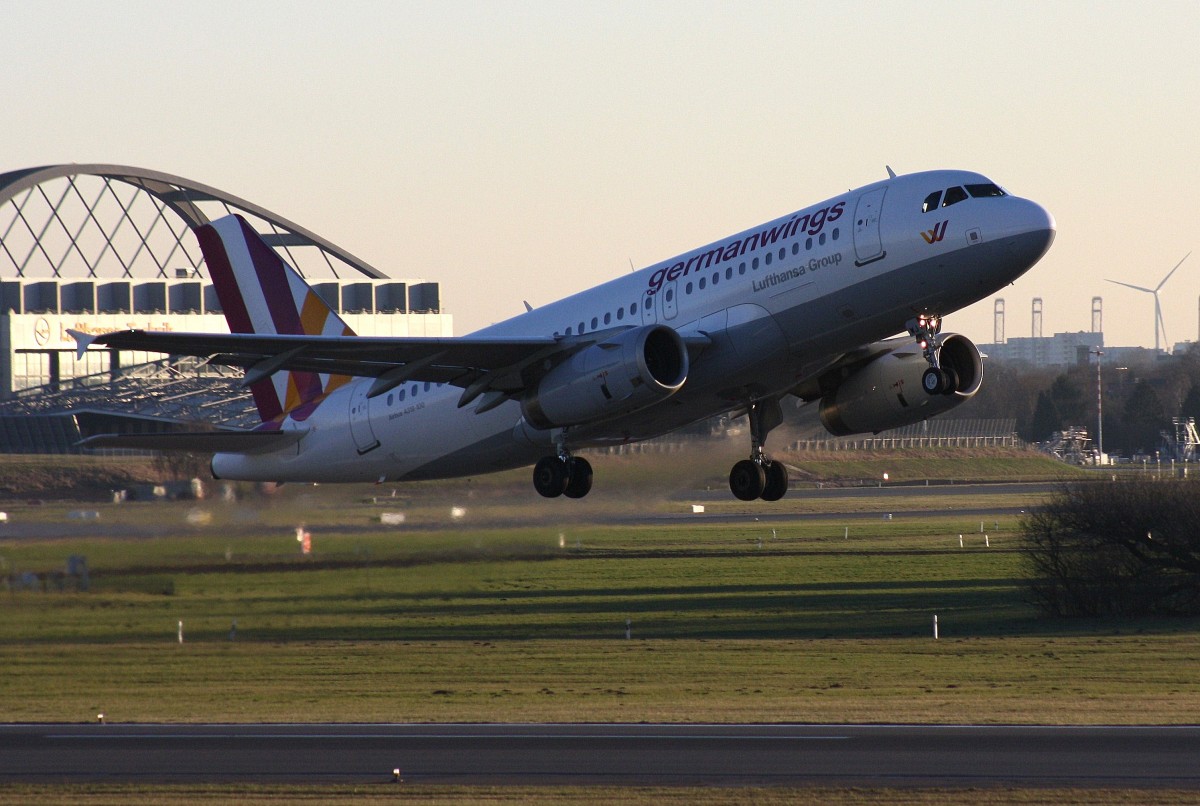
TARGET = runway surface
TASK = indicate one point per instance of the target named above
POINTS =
(641, 754)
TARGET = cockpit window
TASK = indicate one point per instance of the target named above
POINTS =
(984, 191)
(931, 201)
(953, 196)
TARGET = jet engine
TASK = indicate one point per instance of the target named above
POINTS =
(626, 372)
(887, 392)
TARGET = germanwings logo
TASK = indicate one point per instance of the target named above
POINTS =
(934, 235)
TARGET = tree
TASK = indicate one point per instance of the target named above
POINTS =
(1062, 405)
(1143, 419)
(1127, 548)
(1045, 420)
(1191, 403)
(1069, 399)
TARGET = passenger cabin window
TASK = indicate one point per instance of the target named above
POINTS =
(984, 191)
(931, 201)
(953, 196)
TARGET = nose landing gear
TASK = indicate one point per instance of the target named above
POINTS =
(759, 477)
(937, 380)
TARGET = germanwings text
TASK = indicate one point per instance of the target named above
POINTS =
(810, 223)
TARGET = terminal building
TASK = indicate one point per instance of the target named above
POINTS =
(97, 248)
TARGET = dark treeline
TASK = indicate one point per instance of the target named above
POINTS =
(1139, 399)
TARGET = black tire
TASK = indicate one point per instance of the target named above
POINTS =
(579, 478)
(550, 476)
(747, 480)
(934, 381)
(951, 382)
(776, 486)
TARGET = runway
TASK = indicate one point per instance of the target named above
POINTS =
(583, 754)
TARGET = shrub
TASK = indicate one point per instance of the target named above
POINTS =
(1128, 548)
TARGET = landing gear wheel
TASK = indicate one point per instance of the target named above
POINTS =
(747, 480)
(579, 474)
(952, 381)
(776, 486)
(935, 381)
(550, 476)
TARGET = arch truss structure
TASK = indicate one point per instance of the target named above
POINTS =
(95, 222)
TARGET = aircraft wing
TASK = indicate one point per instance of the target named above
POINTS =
(478, 365)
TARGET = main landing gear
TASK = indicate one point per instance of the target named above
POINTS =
(759, 477)
(937, 380)
(562, 474)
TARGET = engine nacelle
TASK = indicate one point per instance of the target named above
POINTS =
(887, 392)
(624, 373)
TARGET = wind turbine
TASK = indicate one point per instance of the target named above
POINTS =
(1159, 327)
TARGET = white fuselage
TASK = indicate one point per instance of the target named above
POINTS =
(774, 302)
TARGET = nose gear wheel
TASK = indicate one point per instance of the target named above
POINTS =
(937, 380)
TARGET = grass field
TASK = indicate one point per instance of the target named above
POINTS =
(757, 620)
(518, 610)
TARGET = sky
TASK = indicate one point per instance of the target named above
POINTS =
(528, 150)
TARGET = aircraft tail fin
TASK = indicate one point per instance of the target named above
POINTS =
(260, 293)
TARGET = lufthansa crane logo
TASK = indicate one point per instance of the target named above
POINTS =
(934, 235)
(41, 332)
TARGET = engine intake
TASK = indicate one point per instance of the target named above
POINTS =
(629, 371)
(887, 392)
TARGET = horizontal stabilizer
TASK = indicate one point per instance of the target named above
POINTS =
(82, 342)
(198, 442)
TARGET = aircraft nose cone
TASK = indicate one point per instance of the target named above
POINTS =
(1036, 233)
(1043, 220)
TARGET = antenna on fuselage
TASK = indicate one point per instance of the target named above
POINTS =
(631, 268)
(528, 307)
(891, 173)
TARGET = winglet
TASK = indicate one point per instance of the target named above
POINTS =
(82, 341)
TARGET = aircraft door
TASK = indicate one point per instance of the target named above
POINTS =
(360, 418)
(670, 299)
(867, 245)
(648, 317)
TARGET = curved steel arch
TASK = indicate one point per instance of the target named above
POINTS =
(182, 196)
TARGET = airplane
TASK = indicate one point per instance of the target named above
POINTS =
(806, 305)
